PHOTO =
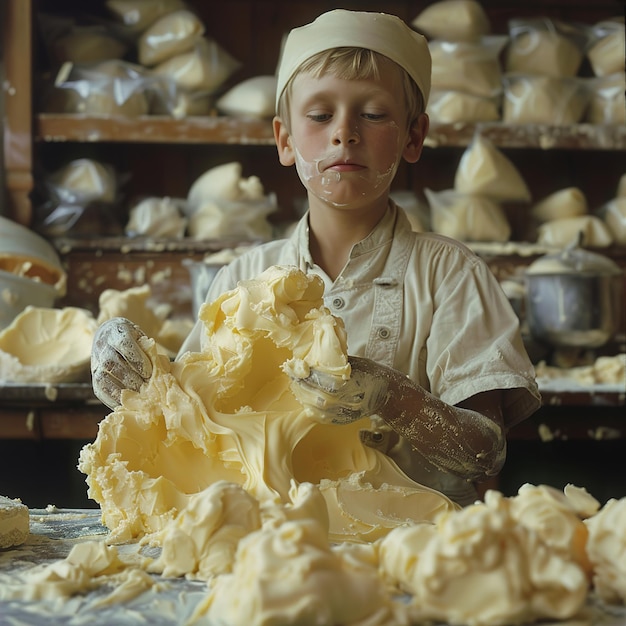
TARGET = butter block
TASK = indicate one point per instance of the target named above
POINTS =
(14, 522)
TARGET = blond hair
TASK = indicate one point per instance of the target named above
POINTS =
(353, 64)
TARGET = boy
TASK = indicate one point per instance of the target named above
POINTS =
(437, 352)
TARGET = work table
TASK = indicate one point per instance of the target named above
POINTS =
(53, 534)
(171, 601)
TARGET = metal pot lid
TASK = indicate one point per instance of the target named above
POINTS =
(574, 260)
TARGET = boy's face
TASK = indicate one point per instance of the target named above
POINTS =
(348, 136)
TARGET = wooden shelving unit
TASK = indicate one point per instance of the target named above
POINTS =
(153, 129)
(552, 155)
(51, 127)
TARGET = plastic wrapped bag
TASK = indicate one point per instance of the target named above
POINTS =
(467, 217)
(169, 36)
(138, 15)
(81, 198)
(254, 97)
(223, 219)
(223, 203)
(606, 49)
(205, 67)
(544, 46)
(167, 99)
(223, 182)
(453, 20)
(534, 99)
(64, 40)
(108, 88)
(448, 107)
(87, 44)
(607, 100)
(472, 68)
(94, 219)
(417, 212)
(613, 213)
(83, 180)
(592, 230)
(567, 202)
(485, 170)
(157, 217)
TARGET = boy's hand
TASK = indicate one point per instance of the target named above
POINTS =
(343, 401)
(117, 360)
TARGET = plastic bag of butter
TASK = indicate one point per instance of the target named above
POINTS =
(138, 15)
(204, 67)
(613, 213)
(253, 97)
(469, 67)
(158, 217)
(591, 230)
(606, 48)
(109, 88)
(223, 203)
(82, 181)
(535, 99)
(544, 46)
(453, 20)
(170, 35)
(65, 40)
(467, 217)
(566, 202)
(607, 100)
(448, 107)
(485, 170)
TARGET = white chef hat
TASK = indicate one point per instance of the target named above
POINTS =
(339, 28)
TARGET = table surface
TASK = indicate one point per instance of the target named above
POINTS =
(53, 533)
(171, 601)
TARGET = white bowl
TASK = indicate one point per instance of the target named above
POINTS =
(46, 345)
(20, 244)
(18, 292)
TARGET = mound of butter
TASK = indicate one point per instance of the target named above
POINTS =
(14, 522)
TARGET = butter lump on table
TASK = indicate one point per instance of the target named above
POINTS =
(556, 516)
(607, 551)
(487, 565)
(229, 413)
(288, 573)
(202, 540)
(14, 522)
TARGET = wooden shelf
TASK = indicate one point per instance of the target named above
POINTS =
(124, 245)
(584, 398)
(541, 136)
(52, 127)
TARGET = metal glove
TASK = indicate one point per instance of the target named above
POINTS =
(457, 440)
(343, 401)
(117, 360)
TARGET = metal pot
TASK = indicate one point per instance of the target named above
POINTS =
(573, 299)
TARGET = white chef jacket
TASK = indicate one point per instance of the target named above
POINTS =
(422, 304)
